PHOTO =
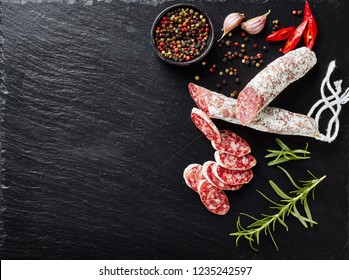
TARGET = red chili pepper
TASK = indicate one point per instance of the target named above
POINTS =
(310, 31)
(281, 34)
(294, 38)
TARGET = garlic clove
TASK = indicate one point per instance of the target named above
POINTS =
(255, 25)
(231, 21)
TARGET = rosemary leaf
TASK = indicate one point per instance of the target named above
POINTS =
(278, 190)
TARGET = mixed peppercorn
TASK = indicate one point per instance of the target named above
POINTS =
(182, 34)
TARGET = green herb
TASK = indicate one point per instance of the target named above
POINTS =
(286, 154)
(286, 206)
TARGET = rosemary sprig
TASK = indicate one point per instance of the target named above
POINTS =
(286, 206)
(286, 154)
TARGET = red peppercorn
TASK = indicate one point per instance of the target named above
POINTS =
(211, 69)
(255, 46)
(259, 55)
(294, 12)
(281, 50)
(243, 34)
(187, 58)
(236, 44)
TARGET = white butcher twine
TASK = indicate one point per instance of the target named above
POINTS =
(333, 102)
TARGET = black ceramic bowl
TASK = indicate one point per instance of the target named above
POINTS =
(195, 59)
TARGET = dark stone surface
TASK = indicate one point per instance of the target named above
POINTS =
(96, 133)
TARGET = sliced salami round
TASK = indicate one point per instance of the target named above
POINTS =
(232, 177)
(231, 162)
(215, 200)
(205, 125)
(231, 143)
(199, 95)
(193, 175)
(207, 172)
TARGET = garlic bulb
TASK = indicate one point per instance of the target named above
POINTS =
(230, 22)
(255, 25)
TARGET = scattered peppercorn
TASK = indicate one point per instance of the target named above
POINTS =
(299, 12)
(243, 46)
(281, 50)
(220, 73)
(237, 80)
(228, 43)
(236, 44)
(234, 93)
(211, 69)
(218, 85)
(224, 82)
(257, 65)
(203, 63)
(246, 39)
(265, 48)
(230, 34)
(255, 46)
(243, 34)
(294, 12)
(197, 77)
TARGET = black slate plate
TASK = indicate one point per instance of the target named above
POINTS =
(96, 133)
